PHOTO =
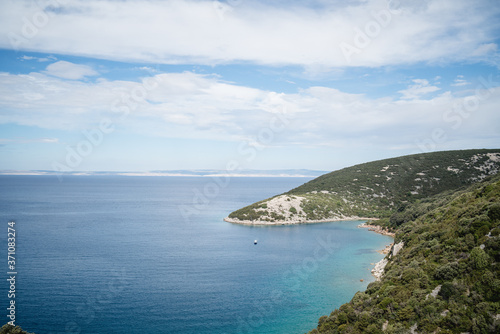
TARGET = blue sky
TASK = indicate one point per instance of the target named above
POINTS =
(156, 85)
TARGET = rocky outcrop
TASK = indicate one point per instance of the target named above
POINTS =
(434, 292)
(372, 189)
(378, 270)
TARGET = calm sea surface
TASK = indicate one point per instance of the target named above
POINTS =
(111, 254)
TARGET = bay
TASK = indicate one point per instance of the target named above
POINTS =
(122, 254)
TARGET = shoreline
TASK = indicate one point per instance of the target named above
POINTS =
(377, 229)
(378, 269)
(294, 222)
(386, 250)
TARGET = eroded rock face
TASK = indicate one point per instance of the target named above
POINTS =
(434, 292)
(397, 247)
(378, 270)
(290, 207)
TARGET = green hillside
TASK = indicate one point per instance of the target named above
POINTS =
(445, 277)
(373, 189)
(9, 329)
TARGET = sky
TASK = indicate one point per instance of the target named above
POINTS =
(129, 85)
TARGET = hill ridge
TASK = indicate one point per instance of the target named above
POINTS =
(372, 189)
(445, 276)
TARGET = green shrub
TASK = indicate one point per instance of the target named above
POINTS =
(494, 212)
(479, 258)
(406, 313)
(9, 329)
(448, 290)
(373, 329)
(364, 320)
(447, 272)
(385, 302)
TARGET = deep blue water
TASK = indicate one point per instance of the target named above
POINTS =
(111, 254)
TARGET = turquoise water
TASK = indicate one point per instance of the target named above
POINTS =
(152, 254)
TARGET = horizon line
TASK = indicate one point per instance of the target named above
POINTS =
(175, 173)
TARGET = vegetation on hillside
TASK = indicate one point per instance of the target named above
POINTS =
(9, 329)
(377, 188)
(446, 279)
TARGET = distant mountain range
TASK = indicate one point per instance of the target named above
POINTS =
(197, 172)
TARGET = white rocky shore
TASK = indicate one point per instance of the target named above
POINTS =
(294, 221)
(377, 229)
(378, 271)
(289, 207)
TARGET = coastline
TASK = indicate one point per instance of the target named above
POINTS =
(293, 222)
(377, 229)
(386, 250)
(378, 269)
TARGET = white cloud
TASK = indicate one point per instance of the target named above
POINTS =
(460, 81)
(39, 59)
(484, 49)
(189, 105)
(67, 70)
(30, 141)
(203, 32)
(147, 69)
(26, 58)
(418, 90)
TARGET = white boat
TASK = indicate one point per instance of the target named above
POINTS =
(255, 242)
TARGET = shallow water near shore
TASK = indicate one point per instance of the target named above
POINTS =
(110, 254)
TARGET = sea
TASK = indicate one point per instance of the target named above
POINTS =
(140, 254)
